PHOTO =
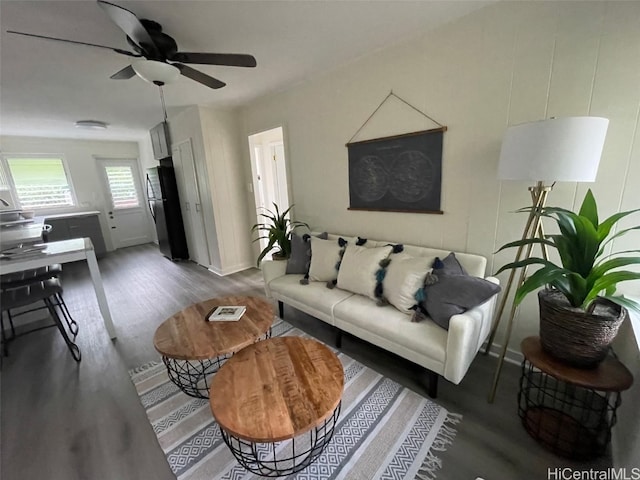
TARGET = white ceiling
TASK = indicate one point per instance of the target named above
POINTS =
(45, 86)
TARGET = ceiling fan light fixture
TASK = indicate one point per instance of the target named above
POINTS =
(91, 124)
(155, 72)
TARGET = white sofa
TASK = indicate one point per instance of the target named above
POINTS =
(441, 352)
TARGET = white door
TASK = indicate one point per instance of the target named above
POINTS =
(184, 165)
(127, 215)
(279, 175)
(268, 166)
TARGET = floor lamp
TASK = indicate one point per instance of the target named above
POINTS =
(545, 152)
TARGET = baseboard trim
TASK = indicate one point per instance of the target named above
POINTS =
(229, 270)
(512, 356)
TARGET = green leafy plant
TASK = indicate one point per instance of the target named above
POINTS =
(585, 272)
(277, 231)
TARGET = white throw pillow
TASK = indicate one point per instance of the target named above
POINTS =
(325, 255)
(359, 267)
(404, 277)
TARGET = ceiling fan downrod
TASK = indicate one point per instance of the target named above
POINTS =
(164, 108)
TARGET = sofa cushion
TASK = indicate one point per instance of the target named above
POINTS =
(388, 323)
(325, 258)
(300, 258)
(454, 294)
(359, 267)
(403, 278)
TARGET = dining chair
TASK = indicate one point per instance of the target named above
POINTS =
(26, 277)
(48, 291)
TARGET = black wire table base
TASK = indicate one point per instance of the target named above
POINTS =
(193, 376)
(571, 421)
(279, 459)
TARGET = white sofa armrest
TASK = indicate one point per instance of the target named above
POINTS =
(467, 331)
(270, 271)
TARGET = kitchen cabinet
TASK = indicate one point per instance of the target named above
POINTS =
(160, 141)
(77, 225)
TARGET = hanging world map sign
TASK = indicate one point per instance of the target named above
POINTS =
(402, 173)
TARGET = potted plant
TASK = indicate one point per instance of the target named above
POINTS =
(277, 230)
(579, 310)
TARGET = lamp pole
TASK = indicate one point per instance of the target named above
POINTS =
(533, 229)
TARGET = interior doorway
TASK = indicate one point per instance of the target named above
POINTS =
(269, 172)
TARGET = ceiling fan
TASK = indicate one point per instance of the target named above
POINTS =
(160, 61)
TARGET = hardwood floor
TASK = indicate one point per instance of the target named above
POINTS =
(63, 420)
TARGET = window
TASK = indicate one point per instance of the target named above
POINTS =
(122, 186)
(39, 182)
(5, 190)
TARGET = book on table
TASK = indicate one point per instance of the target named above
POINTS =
(227, 313)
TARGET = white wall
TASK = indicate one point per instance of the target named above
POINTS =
(228, 184)
(82, 167)
(508, 63)
(626, 437)
(505, 64)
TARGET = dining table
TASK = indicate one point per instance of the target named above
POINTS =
(36, 254)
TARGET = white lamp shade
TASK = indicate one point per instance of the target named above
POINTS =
(153, 71)
(560, 149)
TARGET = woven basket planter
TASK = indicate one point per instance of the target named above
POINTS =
(576, 337)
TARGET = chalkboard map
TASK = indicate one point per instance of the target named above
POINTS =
(401, 173)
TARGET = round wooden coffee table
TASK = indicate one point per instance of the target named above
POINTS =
(277, 403)
(193, 348)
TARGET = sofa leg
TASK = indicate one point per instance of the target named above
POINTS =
(281, 309)
(338, 338)
(432, 388)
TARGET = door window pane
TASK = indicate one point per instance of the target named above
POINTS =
(122, 186)
(40, 182)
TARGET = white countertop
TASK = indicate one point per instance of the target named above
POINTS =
(89, 213)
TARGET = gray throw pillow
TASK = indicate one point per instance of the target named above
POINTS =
(454, 294)
(300, 258)
(449, 265)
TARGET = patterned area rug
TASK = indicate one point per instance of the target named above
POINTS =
(385, 431)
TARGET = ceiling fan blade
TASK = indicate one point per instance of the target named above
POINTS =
(129, 24)
(200, 77)
(124, 74)
(229, 59)
(117, 50)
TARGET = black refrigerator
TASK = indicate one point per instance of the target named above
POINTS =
(164, 203)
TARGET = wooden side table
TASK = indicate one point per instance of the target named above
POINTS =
(193, 348)
(277, 403)
(569, 410)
